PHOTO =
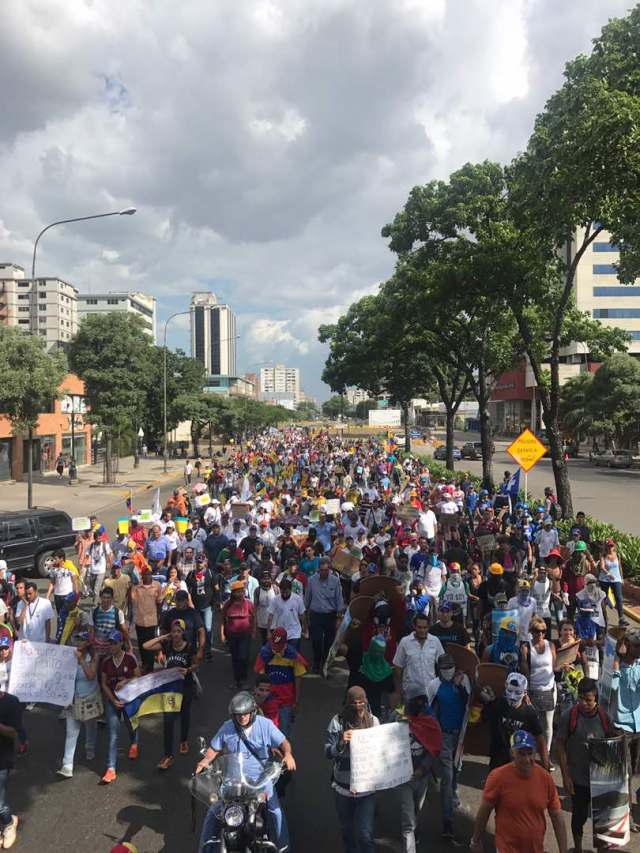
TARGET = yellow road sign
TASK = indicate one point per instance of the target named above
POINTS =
(526, 450)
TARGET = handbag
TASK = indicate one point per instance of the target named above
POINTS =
(88, 707)
(543, 700)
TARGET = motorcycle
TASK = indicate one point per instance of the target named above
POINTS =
(240, 798)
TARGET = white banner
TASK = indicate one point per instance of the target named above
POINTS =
(380, 758)
(138, 686)
(43, 672)
(82, 522)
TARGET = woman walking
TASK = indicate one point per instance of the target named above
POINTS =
(355, 811)
(538, 664)
(611, 577)
(237, 628)
(87, 704)
(180, 655)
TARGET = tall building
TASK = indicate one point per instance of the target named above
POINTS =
(280, 380)
(213, 334)
(57, 305)
(598, 291)
(140, 304)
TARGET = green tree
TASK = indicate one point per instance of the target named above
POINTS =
(185, 378)
(576, 417)
(336, 406)
(614, 400)
(364, 407)
(30, 379)
(111, 353)
(307, 410)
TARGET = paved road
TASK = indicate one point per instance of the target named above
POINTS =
(610, 495)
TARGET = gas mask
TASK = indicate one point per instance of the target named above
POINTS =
(447, 673)
(514, 696)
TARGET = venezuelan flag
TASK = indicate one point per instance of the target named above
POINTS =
(156, 693)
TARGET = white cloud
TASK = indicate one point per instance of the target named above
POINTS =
(264, 143)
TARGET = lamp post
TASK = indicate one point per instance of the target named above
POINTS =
(128, 211)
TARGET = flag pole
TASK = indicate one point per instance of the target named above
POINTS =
(526, 490)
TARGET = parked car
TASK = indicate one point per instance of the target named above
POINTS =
(441, 453)
(472, 450)
(29, 537)
(611, 458)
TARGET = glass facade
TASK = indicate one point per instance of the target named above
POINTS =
(622, 290)
(615, 313)
(605, 247)
(604, 269)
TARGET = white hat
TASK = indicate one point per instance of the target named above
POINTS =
(346, 506)
(215, 501)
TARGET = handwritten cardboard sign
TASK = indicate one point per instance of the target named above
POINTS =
(42, 672)
(380, 758)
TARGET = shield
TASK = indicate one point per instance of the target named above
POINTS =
(376, 584)
(467, 662)
(609, 792)
(478, 734)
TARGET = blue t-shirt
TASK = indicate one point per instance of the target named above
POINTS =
(157, 549)
(262, 734)
(450, 703)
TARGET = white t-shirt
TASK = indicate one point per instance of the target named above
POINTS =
(427, 524)
(288, 615)
(34, 627)
(99, 553)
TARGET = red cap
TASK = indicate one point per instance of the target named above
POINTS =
(279, 637)
(554, 552)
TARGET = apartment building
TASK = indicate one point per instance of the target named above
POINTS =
(56, 316)
(140, 304)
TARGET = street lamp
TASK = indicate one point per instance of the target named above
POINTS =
(128, 211)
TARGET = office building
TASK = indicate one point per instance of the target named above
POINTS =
(280, 380)
(140, 304)
(57, 305)
(213, 335)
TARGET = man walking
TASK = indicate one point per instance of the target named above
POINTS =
(323, 600)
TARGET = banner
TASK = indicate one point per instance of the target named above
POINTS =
(43, 672)
(82, 522)
(155, 693)
(145, 516)
(609, 791)
(496, 618)
(145, 683)
(380, 758)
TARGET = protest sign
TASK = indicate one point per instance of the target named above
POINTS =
(42, 672)
(123, 525)
(146, 683)
(567, 655)
(240, 509)
(82, 522)
(145, 516)
(380, 758)
(332, 506)
(408, 512)
(608, 774)
(203, 500)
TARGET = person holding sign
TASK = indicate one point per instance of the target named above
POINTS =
(355, 811)
(87, 704)
(10, 726)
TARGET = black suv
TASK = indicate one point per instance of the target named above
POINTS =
(28, 537)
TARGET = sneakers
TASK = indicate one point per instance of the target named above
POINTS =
(109, 776)
(184, 748)
(133, 751)
(166, 762)
(9, 834)
(23, 747)
(66, 770)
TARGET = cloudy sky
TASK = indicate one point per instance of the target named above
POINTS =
(264, 142)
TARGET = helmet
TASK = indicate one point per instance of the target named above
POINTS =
(243, 703)
(580, 546)
(507, 624)
(496, 569)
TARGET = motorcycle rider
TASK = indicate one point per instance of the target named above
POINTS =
(248, 733)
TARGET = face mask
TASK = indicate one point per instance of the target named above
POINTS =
(447, 674)
(591, 590)
(523, 596)
(513, 696)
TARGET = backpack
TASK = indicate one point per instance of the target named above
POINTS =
(573, 720)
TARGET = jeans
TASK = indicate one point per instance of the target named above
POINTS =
(617, 594)
(143, 634)
(286, 720)
(170, 719)
(207, 617)
(322, 627)
(73, 731)
(580, 805)
(113, 730)
(95, 584)
(276, 822)
(412, 796)
(5, 808)
(449, 778)
(239, 646)
(356, 815)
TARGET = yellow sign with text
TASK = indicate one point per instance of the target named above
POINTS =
(526, 450)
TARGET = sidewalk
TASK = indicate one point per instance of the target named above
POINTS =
(89, 494)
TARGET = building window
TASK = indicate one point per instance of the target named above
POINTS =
(112, 301)
(635, 336)
(23, 284)
(42, 307)
(628, 290)
(23, 322)
(91, 301)
(21, 308)
(42, 295)
(606, 247)
(604, 269)
(615, 313)
(23, 296)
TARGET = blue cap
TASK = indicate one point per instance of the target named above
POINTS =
(522, 739)
(5, 641)
(115, 637)
(540, 509)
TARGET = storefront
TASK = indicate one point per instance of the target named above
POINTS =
(79, 445)
(5, 458)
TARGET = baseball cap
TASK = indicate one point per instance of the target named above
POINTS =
(234, 585)
(446, 660)
(590, 579)
(279, 638)
(522, 739)
(445, 606)
(554, 552)
(5, 641)
(115, 637)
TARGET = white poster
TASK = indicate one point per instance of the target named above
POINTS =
(380, 758)
(43, 672)
(332, 506)
(203, 500)
(145, 516)
(82, 522)
(385, 417)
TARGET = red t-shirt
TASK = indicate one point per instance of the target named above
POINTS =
(237, 617)
(520, 804)
(115, 673)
